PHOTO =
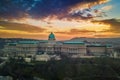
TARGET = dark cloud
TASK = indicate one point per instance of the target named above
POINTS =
(14, 8)
(38, 8)
(114, 24)
(88, 13)
(83, 14)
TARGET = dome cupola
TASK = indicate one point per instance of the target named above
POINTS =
(51, 36)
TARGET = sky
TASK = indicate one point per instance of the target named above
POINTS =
(67, 19)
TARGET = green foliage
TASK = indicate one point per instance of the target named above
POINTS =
(75, 69)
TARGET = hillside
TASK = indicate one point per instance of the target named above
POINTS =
(114, 41)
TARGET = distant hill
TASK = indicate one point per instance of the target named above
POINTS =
(114, 41)
(96, 39)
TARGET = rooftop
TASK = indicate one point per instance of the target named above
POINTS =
(27, 42)
(73, 42)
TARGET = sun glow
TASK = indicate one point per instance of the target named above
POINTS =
(64, 25)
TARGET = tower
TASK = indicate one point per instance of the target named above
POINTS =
(51, 43)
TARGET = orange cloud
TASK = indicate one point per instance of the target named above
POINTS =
(114, 24)
(64, 29)
(18, 30)
(20, 34)
(5, 25)
(77, 33)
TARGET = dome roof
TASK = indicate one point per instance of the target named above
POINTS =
(51, 36)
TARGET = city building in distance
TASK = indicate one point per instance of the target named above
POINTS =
(44, 50)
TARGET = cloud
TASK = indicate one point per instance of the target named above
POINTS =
(83, 14)
(76, 33)
(84, 9)
(1, 27)
(114, 24)
(88, 4)
(17, 30)
(107, 8)
(112, 32)
(20, 35)
(20, 27)
(43, 8)
(79, 32)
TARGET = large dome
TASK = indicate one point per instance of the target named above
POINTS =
(51, 36)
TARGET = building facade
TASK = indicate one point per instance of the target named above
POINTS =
(52, 48)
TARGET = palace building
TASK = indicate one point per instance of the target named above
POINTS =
(46, 49)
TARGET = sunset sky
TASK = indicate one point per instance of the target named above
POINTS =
(35, 19)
